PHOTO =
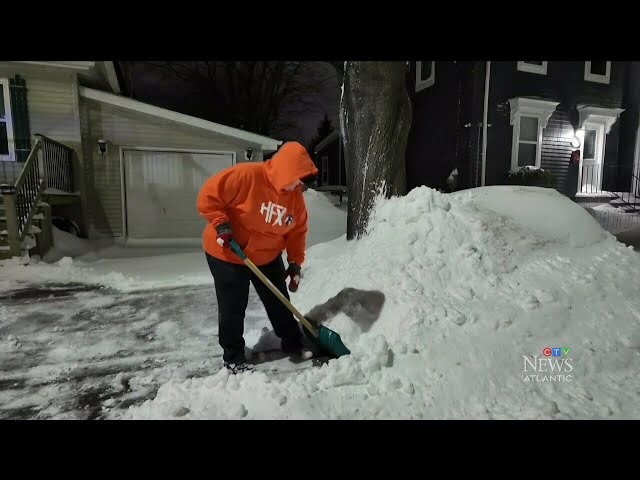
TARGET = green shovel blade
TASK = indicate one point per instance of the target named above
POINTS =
(329, 342)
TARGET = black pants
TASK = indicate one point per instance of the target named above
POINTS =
(232, 292)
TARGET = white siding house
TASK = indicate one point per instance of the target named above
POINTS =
(136, 168)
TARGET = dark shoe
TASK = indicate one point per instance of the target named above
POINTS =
(295, 348)
(290, 345)
(238, 367)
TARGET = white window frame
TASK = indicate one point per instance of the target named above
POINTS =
(532, 68)
(517, 142)
(529, 107)
(592, 77)
(635, 188)
(325, 169)
(428, 82)
(9, 121)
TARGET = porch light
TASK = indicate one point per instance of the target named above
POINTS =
(102, 146)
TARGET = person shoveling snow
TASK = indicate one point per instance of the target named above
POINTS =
(260, 206)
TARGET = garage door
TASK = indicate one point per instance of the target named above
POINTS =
(161, 190)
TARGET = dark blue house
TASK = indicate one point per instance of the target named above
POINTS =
(329, 157)
(487, 119)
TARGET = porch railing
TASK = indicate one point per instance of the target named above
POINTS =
(58, 165)
(617, 181)
(48, 166)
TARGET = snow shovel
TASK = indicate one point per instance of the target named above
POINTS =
(324, 338)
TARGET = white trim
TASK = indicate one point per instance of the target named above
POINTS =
(485, 121)
(181, 150)
(599, 151)
(112, 78)
(600, 119)
(532, 107)
(265, 143)
(635, 189)
(515, 146)
(592, 77)
(529, 107)
(78, 66)
(123, 197)
(326, 141)
(601, 115)
(8, 120)
(532, 68)
(422, 84)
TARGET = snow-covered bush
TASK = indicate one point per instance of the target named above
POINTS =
(532, 177)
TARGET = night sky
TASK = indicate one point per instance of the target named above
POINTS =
(147, 85)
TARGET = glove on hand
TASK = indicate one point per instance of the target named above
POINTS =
(293, 272)
(224, 235)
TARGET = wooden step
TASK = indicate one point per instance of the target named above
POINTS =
(629, 209)
(618, 202)
(60, 198)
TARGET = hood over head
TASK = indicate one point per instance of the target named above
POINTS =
(290, 163)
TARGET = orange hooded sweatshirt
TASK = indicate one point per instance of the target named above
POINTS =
(265, 219)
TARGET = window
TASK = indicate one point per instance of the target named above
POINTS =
(590, 136)
(6, 128)
(325, 170)
(528, 142)
(529, 117)
(539, 67)
(425, 74)
(599, 72)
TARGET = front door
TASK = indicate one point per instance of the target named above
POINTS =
(592, 154)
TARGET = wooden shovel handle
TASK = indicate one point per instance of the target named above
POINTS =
(236, 248)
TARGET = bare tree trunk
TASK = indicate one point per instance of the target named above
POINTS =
(375, 118)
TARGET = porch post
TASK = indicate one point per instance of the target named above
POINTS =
(9, 197)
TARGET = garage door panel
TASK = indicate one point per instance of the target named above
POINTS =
(162, 189)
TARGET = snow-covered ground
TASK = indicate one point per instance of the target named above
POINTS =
(74, 351)
(478, 284)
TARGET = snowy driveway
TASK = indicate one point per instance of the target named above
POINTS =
(71, 351)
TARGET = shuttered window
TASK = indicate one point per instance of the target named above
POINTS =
(6, 128)
(20, 114)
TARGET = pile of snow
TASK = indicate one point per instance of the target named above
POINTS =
(67, 245)
(477, 284)
(146, 265)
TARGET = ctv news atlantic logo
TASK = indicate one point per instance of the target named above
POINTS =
(553, 366)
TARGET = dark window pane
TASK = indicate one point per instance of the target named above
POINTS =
(598, 68)
(425, 73)
(528, 129)
(527, 154)
(589, 144)
(4, 143)
(2, 112)
(535, 63)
